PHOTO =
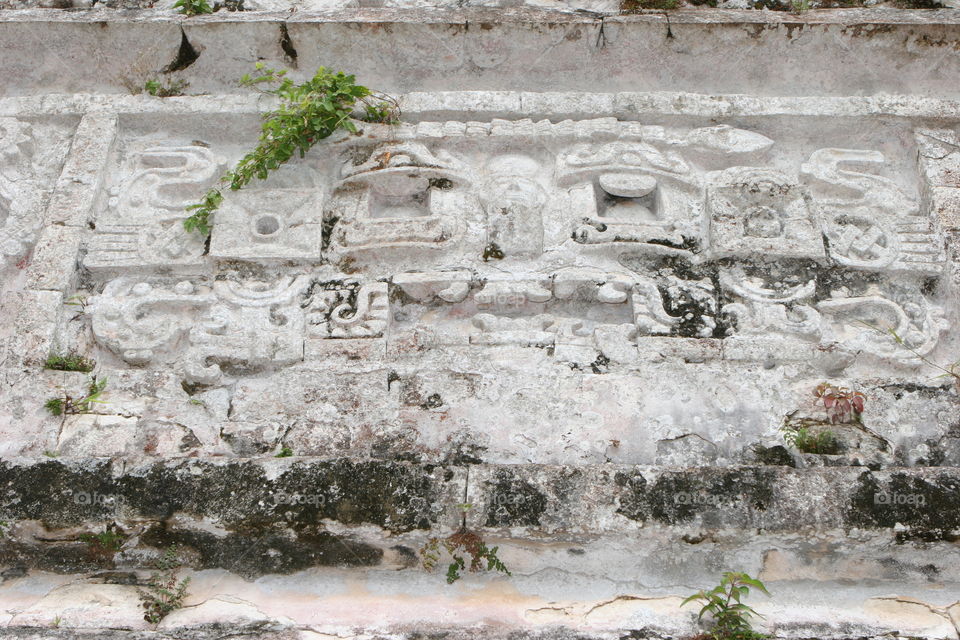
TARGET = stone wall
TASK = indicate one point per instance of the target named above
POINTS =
(586, 286)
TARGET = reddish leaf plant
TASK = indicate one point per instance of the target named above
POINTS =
(842, 404)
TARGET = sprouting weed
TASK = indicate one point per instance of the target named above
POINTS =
(731, 618)
(308, 113)
(68, 405)
(164, 593)
(461, 544)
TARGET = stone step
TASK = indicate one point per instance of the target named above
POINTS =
(259, 517)
(867, 51)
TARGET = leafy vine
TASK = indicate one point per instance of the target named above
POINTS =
(308, 112)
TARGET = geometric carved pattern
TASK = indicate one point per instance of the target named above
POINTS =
(665, 227)
(143, 223)
(233, 326)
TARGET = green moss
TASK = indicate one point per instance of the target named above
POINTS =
(927, 504)
(680, 496)
(774, 456)
(513, 501)
(256, 551)
(637, 6)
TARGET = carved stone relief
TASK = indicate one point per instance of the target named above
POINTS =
(663, 232)
(756, 211)
(143, 221)
(762, 309)
(280, 218)
(940, 170)
(513, 199)
(868, 221)
(402, 196)
(232, 327)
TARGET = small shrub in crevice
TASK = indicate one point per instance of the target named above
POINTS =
(67, 404)
(805, 440)
(460, 545)
(166, 88)
(104, 544)
(71, 361)
(164, 594)
(193, 7)
(731, 618)
(308, 113)
(285, 452)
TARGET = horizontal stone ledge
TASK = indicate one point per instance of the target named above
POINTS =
(267, 517)
(536, 501)
(421, 106)
(395, 50)
(265, 631)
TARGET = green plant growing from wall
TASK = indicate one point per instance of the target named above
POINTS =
(459, 545)
(193, 7)
(842, 404)
(805, 440)
(308, 112)
(164, 594)
(71, 361)
(166, 88)
(110, 540)
(104, 544)
(68, 405)
(285, 452)
(731, 618)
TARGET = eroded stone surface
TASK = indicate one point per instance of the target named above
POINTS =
(588, 316)
(440, 273)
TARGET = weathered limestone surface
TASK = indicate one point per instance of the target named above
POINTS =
(583, 286)
(868, 51)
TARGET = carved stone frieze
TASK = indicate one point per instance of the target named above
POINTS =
(578, 237)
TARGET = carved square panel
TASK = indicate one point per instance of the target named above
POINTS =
(269, 223)
(757, 211)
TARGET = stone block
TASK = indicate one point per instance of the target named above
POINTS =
(53, 266)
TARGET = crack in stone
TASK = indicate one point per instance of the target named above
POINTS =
(186, 55)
